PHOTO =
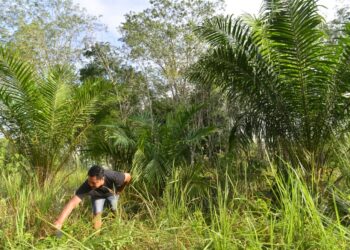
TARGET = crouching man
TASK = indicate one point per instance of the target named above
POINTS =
(101, 185)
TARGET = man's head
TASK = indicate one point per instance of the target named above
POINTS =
(96, 176)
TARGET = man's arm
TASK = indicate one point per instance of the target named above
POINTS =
(66, 211)
(127, 179)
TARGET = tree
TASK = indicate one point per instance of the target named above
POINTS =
(337, 27)
(44, 116)
(111, 138)
(46, 32)
(127, 84)
(162, 43)
(113, 141)
(164, 145)
(288, 79)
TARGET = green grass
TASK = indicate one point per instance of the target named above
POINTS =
(214, 216)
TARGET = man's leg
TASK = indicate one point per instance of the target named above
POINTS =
(113, 201)
(97, 208)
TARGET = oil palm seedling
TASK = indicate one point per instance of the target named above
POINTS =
(287, 78)
(163, 145)
(44, 116)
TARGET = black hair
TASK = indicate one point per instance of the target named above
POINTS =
(97, 171)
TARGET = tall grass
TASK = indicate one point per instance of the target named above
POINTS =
(215, 216)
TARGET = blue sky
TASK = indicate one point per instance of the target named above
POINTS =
(112, 11)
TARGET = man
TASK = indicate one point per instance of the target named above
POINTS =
(101, 185)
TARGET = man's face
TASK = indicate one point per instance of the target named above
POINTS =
(95, 182)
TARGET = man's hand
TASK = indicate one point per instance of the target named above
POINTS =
(65, 213)
(127, 179)
(58, 227)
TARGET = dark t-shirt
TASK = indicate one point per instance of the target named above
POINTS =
(113, 182)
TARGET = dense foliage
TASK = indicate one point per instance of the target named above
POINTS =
(289, 78)
(235, 129)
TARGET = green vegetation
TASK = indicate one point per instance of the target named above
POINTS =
(217, 217)
(41, 114)
(234, 129)
(291, 82)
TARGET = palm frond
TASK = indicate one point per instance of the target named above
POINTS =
(17, 91)
(280, 70)
(45, 116)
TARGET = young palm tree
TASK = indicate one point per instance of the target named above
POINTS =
(164, 145)
(284, 74)
(44, 117)
(112, 141)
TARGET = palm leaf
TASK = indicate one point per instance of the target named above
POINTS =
(44, 116)
(280, 71)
